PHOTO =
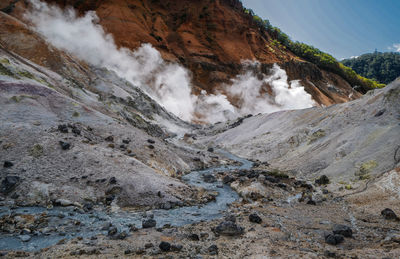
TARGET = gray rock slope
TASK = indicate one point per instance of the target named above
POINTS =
(353, 140)
(98, 140)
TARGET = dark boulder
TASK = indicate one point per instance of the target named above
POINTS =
(342, 230)
(255, 218)
(210, 149)
(253, 174)
(213, 250)
(63, 128)
(389, 214)
(229, 228)
(65, 145)
(88, 206)
(311, 202)
(112, 231)
(8, 184)
(149, 223)
(8, 164)
(76, 131)
(334, 239)
(271, 179)
(228, 179)
(209, 178)
(194, 237)
(112, 180)
(109, 139)
(380, 113)
(165, 246)
(151, 141)
(323, 180)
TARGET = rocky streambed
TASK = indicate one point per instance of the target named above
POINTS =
(35, 228)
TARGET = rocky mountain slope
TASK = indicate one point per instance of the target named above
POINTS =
(354, 140)
(60, 120)
(210, 38)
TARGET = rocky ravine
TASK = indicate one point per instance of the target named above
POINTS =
(81, 142)
(63, 147)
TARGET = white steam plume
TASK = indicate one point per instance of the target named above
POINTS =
(168, 83)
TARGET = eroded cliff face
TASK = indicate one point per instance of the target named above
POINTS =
(210, 38)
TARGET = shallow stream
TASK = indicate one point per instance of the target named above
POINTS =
(68, 222)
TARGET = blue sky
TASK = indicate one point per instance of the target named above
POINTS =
(343, 28)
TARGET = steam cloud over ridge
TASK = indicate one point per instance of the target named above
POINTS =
(168, 83)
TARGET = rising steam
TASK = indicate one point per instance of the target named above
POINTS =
(168, 83)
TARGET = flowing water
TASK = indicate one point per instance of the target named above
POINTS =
(68, 222)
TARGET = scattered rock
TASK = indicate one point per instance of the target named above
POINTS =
(8, 164)
(151, 141)
(112, 231)
(8, 184)
(209, 178)
(63, 203)
(88, 206)
(210, 149)
(213, 250)
(113, 190)
(389, 214)
(126, 141)
(254, 218)
(25, 231)
(323, 180)
(121, 236)
(253, 174)
(64, 145)
(228, 179)
(194, 237)
(229, 228)
(311, 202)
(149, 223)
(76, 131)
(329, 254)
(342, 230)
(148, 245)
(380, 113)
(334, 239)
(282, 186)
(25, 238)
(231, 218)
(109, 139)
(176, 248)
(63, 128)
(112, 180)
(133, 228)
(271, 179)
(165, 246)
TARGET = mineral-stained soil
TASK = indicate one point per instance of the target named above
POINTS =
(210, 38)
